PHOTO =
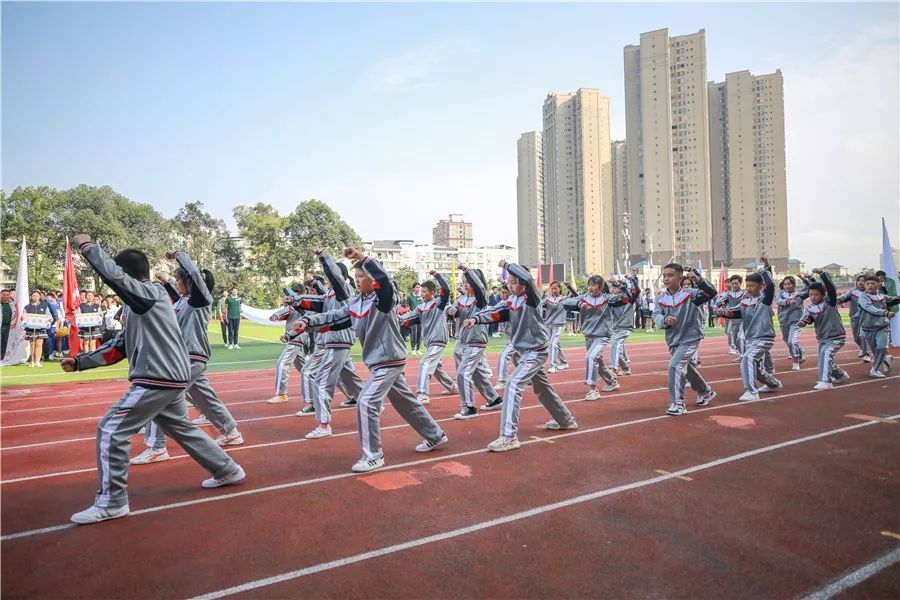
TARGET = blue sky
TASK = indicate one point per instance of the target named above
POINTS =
(397, 115)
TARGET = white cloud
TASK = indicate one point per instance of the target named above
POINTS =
(418, 68)
(841, 118)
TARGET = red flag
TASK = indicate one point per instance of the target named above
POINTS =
(539, 280)
(71, 300)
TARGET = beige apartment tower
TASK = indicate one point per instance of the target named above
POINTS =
(621, 216)
(667, 129)
(452, 233)
(530, 199)
(577, 173)
(747, 169)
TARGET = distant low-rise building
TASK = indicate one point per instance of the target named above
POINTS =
(836, 270)
(395, 255)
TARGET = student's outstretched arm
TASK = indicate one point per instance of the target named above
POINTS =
(443, 297)
(706, 292)
(384, 289)
(308, 302)
(768, 293)
(572, 291)
(199, 296)
(495, 314)
(137, 295)
(335, 277)
(108, 354)
(477, 288)
(829, 289)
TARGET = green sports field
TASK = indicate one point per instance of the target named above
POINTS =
(259, 349)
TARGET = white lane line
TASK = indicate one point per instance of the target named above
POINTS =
(401, 426)
(439, 457)
(856, 577)
(527, 514)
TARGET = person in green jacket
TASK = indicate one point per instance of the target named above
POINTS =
(6, 302)
(233, 312)
(413, 300)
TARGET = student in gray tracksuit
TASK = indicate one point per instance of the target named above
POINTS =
(729, 299)
(529, 335)
(790, 308)
(677, 312)
(755, 312)
(825, 317)
(159, 371)
(852, 296)
(596, 325)
(622, 324)
(294, 351)
(432, 321)
(472, 370)
(336, 343)
(555, 317)
(373, 316)
(193, 308)
(875, 324)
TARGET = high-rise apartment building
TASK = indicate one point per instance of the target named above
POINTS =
(452, 233)
(621, 216)
(578, 211)
(747, 164)
(667, 130)
(530, 199)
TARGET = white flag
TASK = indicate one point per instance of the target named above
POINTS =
(890, 269)
(17, 346)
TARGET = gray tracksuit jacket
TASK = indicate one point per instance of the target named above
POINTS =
(756, 313)
(852, 296)
(336, 297)
(527, 329)
(684, 304)
(431, 316)
(825, 316)
(193, 311)
(151, 338)
(596, 318)
(873, 308)
(730, 299)
(465, 308)
(553, 310)
(374, 319)
(790, 305)
(623, 316)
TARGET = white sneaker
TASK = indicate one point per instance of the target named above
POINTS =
(229, 347)
(364, 465)
(232, 479)
(748, 396)
(767, 389)
(319, 432)
(95, 514)
(236, 347)
(706, 397)
(201, 420)
(611, 387)
(423, 399)
(499, 387)
(592, 395)
(676, 410)
(233, 438)
(451, 391)
(866, 358)
(795, 366)
(887, 366)
(876, 374)
(150, 456)
(823, 385)
(554, 426)
(504, 444)
(845, 376)
(732, 351)
(552, 370)
(428, 446)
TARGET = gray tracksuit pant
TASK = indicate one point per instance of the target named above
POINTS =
(682, 370)
(432, 365)
(203, 397)
(557, 357)
(335, 368)
(618, 355)
(308, 375)
(733, 332)
(137, 408)
(594, 364)
(858, 338)
(828, 369)
(790, 333)
(877, 342)
(472, 372)
(290, 355)
(390, 382)
(753, 367)
(530, 368)
(508, 356)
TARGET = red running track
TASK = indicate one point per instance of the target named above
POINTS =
(769, 499)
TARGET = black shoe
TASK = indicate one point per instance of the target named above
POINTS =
(493, 404)
(465, 413)
(349, 402)
(309, 409)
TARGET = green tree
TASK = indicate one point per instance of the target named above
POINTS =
(312, 225)
(199, 233)
(263, 230)
(404, 278)
(34, 213)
